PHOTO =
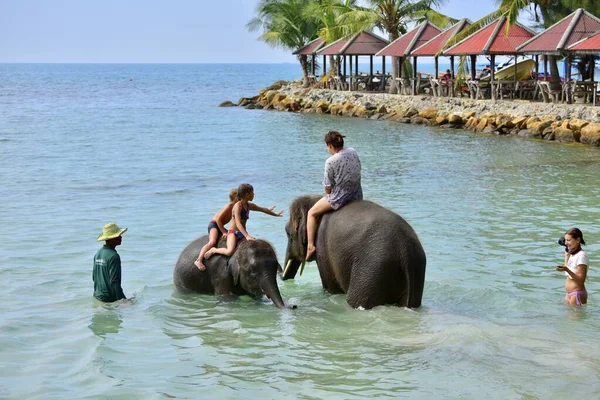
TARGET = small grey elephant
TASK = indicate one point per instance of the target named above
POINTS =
(251, 270)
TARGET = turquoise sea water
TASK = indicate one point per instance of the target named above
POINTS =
(82, 145)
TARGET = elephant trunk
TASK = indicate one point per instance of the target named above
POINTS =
(269, 287)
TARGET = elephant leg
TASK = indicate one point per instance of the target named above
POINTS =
(368, 289)
(328, 278)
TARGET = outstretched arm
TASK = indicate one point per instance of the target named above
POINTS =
(268, 210)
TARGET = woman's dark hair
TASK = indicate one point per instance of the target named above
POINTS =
(575, 233)
(243, 190)
(335, 139)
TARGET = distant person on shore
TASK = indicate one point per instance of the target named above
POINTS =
(575, 268)
(107, 265)
(241, 213)
(341, 182)
(447, 77)
(216, 226)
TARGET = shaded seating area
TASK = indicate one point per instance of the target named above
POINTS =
(589, 46)
(497, 38)
(576, 35)
(559, 40)
(310, 50)
(432, 48)
(402, 47)
(347, 50)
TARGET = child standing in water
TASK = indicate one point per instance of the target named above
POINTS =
(216, 226)
(241, 213)
(575, 268)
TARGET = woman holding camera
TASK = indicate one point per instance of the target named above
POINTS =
(575, 268)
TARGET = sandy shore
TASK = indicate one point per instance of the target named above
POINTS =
(559, 122)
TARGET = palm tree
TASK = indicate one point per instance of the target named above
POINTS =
(284, 26)
(326, 14)
(393, 17)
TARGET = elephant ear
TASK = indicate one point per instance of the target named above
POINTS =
(299, 212)
(234, 268)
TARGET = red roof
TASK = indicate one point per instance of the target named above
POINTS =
(590, 45)
(556, 39)
(310, 48)
(437, 43)
(492, 39)
(361, 44)
(406, 43)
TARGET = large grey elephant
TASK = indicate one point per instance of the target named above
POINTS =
(251, 270)
(364, 250)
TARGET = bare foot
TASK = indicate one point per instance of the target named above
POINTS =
(209, 253)
(310, 251)
(198, 263)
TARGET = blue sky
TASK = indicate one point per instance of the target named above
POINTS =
(176, 31)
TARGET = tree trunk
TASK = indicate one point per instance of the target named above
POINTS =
(395, 71)
(333, 65)
(303, 59)
(554, 74)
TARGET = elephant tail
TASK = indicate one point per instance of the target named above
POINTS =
(414, 271)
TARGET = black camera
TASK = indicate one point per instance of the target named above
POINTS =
(561, 241)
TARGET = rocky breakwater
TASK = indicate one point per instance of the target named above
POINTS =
(558, 122)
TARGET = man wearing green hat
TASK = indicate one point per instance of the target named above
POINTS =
(107, 265)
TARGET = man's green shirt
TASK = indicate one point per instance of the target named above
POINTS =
(107, 275)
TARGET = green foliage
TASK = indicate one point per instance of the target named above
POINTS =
(283, 23)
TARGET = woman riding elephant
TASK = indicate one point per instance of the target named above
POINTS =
(251, 270)
(364, 250)
(341, 182)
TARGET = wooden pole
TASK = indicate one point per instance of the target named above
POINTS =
(473, 64)
(414, 76)
(452, 75)
(383, 75)
(492, 71)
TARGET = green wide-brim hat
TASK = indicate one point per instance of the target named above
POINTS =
(111, 231)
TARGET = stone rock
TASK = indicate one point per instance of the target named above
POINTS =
(227, 103)
(418, 120)
(483, 123)
(590, 134)
(564, 135)
(455, 119)
(548, 133)
(322, 105)
(577, 124)
(539, 126)
(531, 120)
(429, 113)
(489, 129)
(441, 120)
(520, 122)
(468, 115)
(382, 109)
(360, 112)
(370, 106)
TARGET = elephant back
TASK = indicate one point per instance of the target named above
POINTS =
(363, 219)
(185, 274)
